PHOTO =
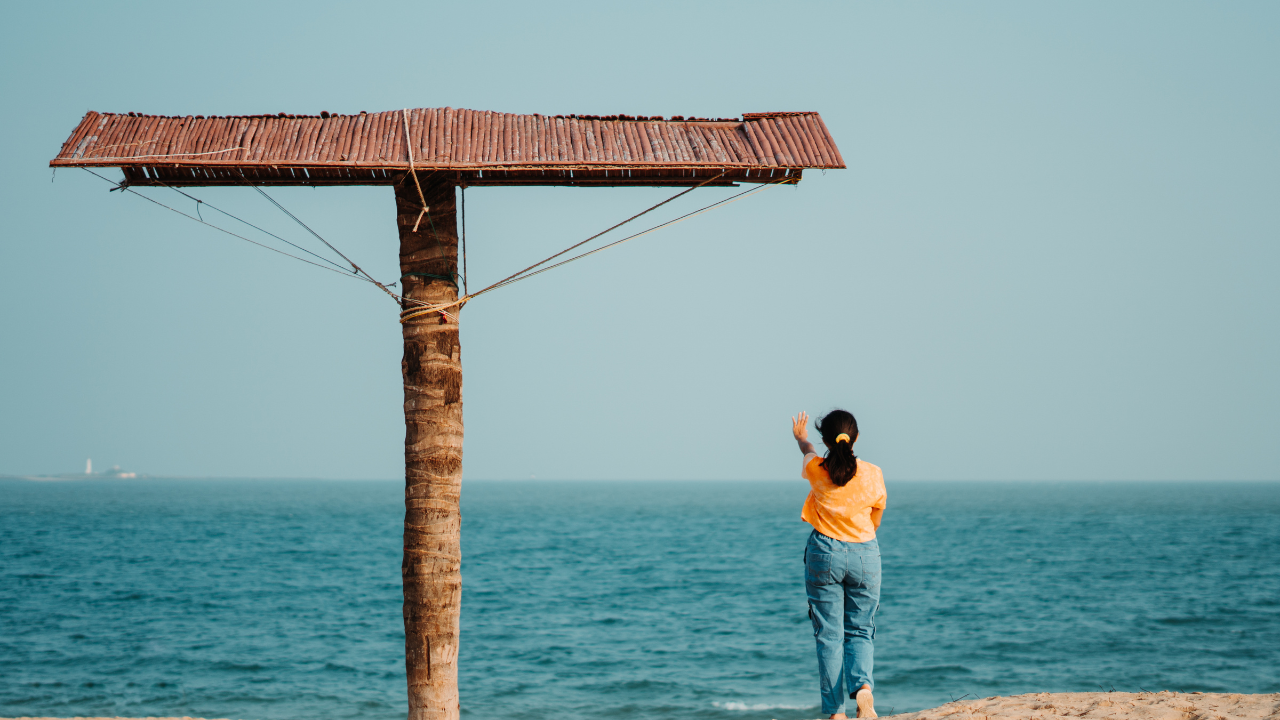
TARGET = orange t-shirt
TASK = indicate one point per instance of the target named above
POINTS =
(843, 513)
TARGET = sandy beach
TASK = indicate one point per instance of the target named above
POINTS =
(1165, 705)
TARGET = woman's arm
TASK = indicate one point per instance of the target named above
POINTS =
(876, 515)
(800, 429)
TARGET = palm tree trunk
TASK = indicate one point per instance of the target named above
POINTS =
(432, 369)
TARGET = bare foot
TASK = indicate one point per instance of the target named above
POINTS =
(839, 716)
(866, 703)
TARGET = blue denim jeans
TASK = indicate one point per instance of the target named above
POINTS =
(842, 580)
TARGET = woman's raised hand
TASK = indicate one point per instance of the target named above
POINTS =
(800, 426)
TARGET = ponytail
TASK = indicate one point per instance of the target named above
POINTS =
(839, 429)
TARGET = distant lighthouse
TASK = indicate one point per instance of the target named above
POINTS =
(88, 466)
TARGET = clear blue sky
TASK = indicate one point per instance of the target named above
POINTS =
(1054, 254)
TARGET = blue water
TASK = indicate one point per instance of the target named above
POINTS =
(271, 600)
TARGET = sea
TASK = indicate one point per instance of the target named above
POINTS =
(280, 599)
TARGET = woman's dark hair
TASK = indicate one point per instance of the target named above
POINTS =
(840, 462)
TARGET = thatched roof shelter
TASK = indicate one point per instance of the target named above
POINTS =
(468, 147)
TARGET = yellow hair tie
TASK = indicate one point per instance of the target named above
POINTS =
(842, 436)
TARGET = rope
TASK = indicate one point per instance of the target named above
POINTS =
(404, 114)
(200, 202)
(143, 157)
(412, 312)
(727, 201)
(462, 193)
(615, 227)
(121, 186)
(420, 308)
(355, 268)
(426, 309)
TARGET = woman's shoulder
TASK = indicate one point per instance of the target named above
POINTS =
(807, 468)
(872, 469)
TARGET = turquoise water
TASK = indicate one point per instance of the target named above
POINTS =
(269, 600)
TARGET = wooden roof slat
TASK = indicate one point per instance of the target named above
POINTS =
(831, 143)
(579, 141)
(343, 139)
(285, 130)
(218, 137)
(435, 139)
(376, 128)
(777, 151)
(480, 129)
(477, 131)
(483, 136)
(191, 139)
(815, 131)
(268, 136)
(780, 154)
(324, 145)
(354, 139)
(502, 150)
(458, 131)
(679, 146)
(760, 147)
(508, 137)
(273, 128)
(114, 144)
(85, 127)
(798, 150)
(630, 143)
(661, 150)
(417, 133)
(148, 146)
(445, 156)
(360, 151)
(397, 142)
(382, 128)
(806, 146)
(572, 141)
(492, 136)
(551, 148)
(646, 142)
(716, 137)
(373, 138)
(493, 147)
(284, 140)
(141, 135)
(341, 151)
(466, 124)
(91, 124)
(667, 141)
(107, 146)
(314, 135)
(811, 144)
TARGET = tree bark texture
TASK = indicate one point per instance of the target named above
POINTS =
(432, 370)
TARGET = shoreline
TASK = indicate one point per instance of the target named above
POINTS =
(1164, 705)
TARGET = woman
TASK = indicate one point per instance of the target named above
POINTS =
(841, 559)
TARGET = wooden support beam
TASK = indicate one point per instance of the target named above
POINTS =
(432, 370)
